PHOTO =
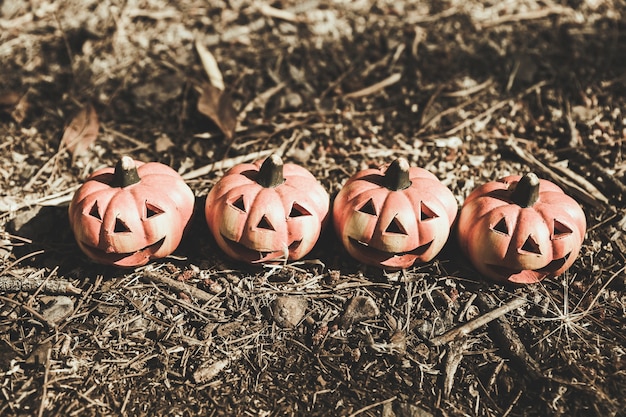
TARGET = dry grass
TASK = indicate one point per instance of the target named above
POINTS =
(469, 90)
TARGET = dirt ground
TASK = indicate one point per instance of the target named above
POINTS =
(469, 90)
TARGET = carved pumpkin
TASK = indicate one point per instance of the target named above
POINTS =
(521, 229)
(267, 211)
(131, 214)
(394, 216)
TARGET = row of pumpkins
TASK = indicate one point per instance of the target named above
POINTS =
(518, 229)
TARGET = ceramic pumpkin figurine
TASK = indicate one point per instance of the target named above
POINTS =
(521, 229)
(394, 216)
(267, 210)
(131, 214)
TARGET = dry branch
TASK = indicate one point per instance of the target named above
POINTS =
(508, 340)
(226, 164)
(577, 186)
(30, 284)
(153, 276)
(474, 324)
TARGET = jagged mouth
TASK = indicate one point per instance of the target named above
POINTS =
(259, 256)
(381, 254)
(527, 276)
(123, 259)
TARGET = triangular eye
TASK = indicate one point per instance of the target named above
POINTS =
(560, 230)
(94, 211)
(265, 224)
(120, 227)
(426, 213)
(396, 227)
(297, 210)
(152, 210)
(501, 227)
(531, 246)
(238, 203)
(368, 208)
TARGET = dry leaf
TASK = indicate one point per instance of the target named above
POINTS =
(14, 104)
(81, 132)
(218, 106)
(210, 66)
(9, 99)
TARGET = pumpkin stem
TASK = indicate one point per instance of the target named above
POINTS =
(397, 175)
(271, 172)
(125, 173)
(526, 192)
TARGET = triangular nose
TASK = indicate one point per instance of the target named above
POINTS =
(531, 246)
(396, 227)
(264, 223)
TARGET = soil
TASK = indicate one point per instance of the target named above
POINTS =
(469, 90)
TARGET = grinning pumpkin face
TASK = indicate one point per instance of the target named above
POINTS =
(521, 229)
(131, 214)
(394, 216)
(267, 211)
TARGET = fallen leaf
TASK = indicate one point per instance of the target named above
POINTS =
(9, 99)
(14, 104)
(81, 132)
(217, 105)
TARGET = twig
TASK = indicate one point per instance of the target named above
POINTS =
(374, 405)
(453, 360)
(29, 284)
(180, 286)
(474, 324)
(586, 192)
(508, 340)
(226, 164)
(528, 15)
(32, 311)
(392, 79)
(492, 109)
(44, 388)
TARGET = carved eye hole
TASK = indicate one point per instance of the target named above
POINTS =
(94, 212)
(501, 227)
(238, 203)
(265, 224)
(396, 227)
(120, 227)
(426, 213)
(152, 210)
(531, 246)
(368, 208)
(297, 210)
(559, 230)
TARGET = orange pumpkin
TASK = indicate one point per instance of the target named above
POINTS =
(131, 214)
(394, 216)
(521, 229)
(267, 211)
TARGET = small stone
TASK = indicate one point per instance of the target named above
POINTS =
(287, 311)
(57, 308)
(358, 309)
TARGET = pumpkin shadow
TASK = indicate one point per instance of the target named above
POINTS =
(42, 238)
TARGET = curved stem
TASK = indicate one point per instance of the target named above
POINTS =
(397, 175)
(526, 192)
(271, 172)
(125, 173)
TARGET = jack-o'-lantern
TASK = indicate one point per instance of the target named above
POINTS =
(267, 211)
(133, 213)
(521, 229)
(394, 216)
